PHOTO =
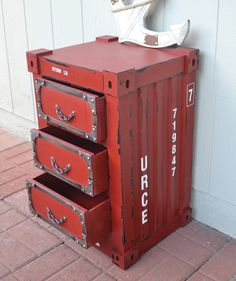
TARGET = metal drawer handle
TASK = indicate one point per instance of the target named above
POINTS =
(58, 169)
(53, 219)
(61, 116)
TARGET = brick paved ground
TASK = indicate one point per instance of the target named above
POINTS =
(32, 250)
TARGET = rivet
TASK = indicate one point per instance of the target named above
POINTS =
(88, 157)
(90, 193)
(92, 100)
(83, 246)
(87, 136)
(84, 97)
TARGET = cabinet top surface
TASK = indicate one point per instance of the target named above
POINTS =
(110, 56)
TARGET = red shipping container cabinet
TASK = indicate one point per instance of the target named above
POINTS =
(115, 141)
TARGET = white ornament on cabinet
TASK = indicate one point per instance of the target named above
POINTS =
(131, 20)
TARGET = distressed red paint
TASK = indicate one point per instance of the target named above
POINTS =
(149, 120)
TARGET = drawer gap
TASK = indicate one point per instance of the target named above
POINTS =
(75, 140)
(73, 86)
(67, 191)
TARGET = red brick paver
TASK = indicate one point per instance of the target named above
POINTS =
(204, 235)
(12, 174)
(172, 269)
(20, 200)
(104, 277)
(80, 270)
(47, 265)
(199, 277)
(9, 278)
(92, 254)
(34, 237)
(5, 165)
(3, 270)
(223, 265)
(15, 151)
(13, 253)
(185, 249)
(32, 250)
(13, 186)
(22, 158)
(9, 219)
(9, 141)
(3, 207)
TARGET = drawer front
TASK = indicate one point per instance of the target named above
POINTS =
(83, 169)
(75, 110)
(71, 218)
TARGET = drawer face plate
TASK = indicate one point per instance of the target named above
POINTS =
(84, 169)
(73, 109)
(75, 220)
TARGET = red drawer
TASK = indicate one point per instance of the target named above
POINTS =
(75, 110)
(80, 162)
(85, 219)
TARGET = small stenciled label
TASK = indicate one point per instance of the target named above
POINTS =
(144, 189)
(190, 96)
(56, 69)
(174, 142)
(60, 71)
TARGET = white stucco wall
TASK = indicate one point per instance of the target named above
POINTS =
(28, 24)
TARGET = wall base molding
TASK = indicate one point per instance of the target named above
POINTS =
(16, 124)
(214, 212)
